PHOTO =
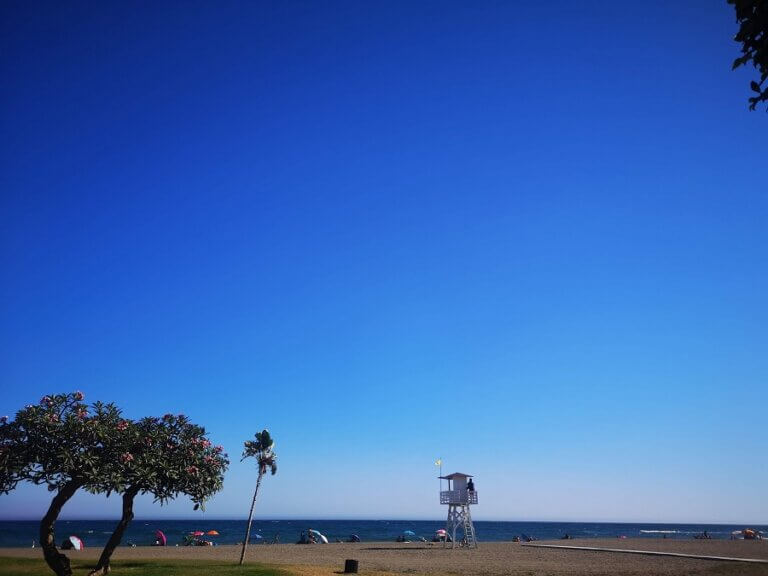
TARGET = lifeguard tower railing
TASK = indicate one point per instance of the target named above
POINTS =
(458, 497)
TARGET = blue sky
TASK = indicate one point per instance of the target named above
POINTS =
(527, 238)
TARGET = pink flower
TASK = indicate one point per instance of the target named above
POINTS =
(167, 417)
(122, 425)
(219, 449)
(206, 443)
(192, 470)
(79, 396)
(82, 413)
(46, 400)
(126, 457)
(53, 417)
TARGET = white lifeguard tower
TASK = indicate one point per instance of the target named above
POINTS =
(459, 497)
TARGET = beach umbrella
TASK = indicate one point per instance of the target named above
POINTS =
(212, 533)
(198, 533)
(77, 544)
(323, 539)
(161, 537)
(409, 533)
(440, 532)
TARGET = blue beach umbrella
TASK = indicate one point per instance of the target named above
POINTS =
(409, 533)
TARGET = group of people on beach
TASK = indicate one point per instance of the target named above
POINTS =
(190, 540)
(307, 537)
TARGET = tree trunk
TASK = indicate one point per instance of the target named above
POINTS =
(57, 562)
(114, 540)
(250, 517)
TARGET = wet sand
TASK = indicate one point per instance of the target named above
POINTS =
(489, 559)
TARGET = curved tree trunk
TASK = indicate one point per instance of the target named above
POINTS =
(58, 562)
(250, 516)
(114, 540)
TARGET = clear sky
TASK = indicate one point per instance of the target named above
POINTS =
(527, 237)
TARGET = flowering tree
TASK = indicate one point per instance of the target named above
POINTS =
(164, 457)
(65, 445)
(262, 448)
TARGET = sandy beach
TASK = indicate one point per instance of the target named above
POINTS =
(490, 559)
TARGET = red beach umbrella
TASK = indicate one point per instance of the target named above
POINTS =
(198, 533)
(212, 533)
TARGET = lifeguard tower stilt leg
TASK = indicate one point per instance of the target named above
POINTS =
(459, 516)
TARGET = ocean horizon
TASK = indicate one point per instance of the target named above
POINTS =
(141, 532)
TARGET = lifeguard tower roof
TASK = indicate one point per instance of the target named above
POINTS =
(455, 475)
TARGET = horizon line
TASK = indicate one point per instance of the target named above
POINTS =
(368, 519)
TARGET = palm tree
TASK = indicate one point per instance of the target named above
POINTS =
(262, 450)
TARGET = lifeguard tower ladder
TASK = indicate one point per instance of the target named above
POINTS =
(458, 498)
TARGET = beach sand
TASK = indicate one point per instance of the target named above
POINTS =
(490, 559)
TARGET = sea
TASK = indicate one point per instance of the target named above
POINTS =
(264, 532)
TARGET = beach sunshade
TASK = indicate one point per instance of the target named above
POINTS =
(161, 537)
(212, 533)
(441, 531)
(409, 533)
(258, 536)
(323, 539)
(77, 544)
(198, 533)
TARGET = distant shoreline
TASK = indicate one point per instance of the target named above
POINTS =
(142, 532)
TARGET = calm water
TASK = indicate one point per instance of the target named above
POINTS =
(142, 532)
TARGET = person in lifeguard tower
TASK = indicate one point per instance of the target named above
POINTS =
(470, 485)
